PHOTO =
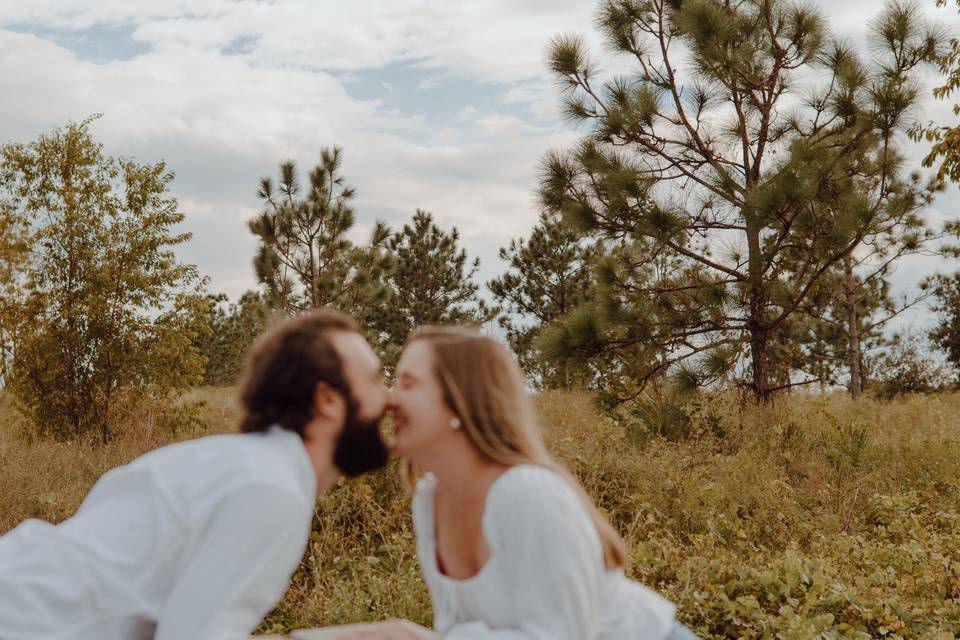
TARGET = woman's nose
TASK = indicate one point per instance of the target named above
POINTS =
(391, 398)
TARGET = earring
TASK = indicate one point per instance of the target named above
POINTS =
(455, 423)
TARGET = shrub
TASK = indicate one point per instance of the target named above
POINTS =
(908, 367)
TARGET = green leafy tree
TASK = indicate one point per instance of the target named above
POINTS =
(431, 282)
(233, 329)
(14, 246)
(842, 323)
(945, 139)
(945, 334)
(846, 321)
(103, 309)
(305, 259)
(548, 276)
(14, 251)
(614, 333)
(752, 171)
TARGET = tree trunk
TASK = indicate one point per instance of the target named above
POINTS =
(853, 331)
(759, 333)
(760, 361)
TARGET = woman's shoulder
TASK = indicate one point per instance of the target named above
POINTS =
(535, 479)
(530, 490)
(524, 492)
(536, 510)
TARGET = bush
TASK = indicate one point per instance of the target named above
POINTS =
(662, 414)
(908, 367)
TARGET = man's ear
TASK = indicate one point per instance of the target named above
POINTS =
(327, 402)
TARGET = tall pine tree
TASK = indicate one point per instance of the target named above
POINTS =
(305, 259)
(740, 168)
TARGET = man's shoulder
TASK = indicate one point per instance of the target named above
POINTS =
(224, 464)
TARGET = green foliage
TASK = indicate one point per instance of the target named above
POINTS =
(906, 367)
(233, 329)
(360, 563)
(99, 304)
(764, 204)
(846, 312)
(548, 276)
(944, 139)
(946, 332)
(835, 520)
(431, 282)
(662, 414)
(14, 249)
(305, 259)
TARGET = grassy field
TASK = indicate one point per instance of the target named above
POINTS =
(815, 518)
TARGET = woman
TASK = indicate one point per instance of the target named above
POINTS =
(509, 544)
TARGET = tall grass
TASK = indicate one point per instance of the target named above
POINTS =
(815, 517)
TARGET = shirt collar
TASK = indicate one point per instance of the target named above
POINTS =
(293, 442)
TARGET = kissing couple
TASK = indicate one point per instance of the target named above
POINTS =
(198, 540)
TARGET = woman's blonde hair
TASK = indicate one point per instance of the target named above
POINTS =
(484, 386)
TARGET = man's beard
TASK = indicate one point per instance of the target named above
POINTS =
(359, 447)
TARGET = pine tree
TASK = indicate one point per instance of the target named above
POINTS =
(102, 309)
(622, 332)
(431, 282)
(842, 323)
(548, 276)
(845, 318)
(305, 259)
(753, 184)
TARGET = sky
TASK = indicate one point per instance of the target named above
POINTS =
(443, 106)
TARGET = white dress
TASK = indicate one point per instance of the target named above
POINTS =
(194, 541)
(545, 578)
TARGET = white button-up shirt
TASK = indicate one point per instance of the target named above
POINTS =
(194, 541)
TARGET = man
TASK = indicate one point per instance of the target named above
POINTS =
(198, 540)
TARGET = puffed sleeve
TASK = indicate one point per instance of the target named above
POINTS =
(544, 537)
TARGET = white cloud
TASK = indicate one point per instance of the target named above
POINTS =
(226, 89)
(222, 121)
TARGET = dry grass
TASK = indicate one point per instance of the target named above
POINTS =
(47, 479)
(818, 517)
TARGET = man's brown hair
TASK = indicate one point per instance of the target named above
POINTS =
(285, 366)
